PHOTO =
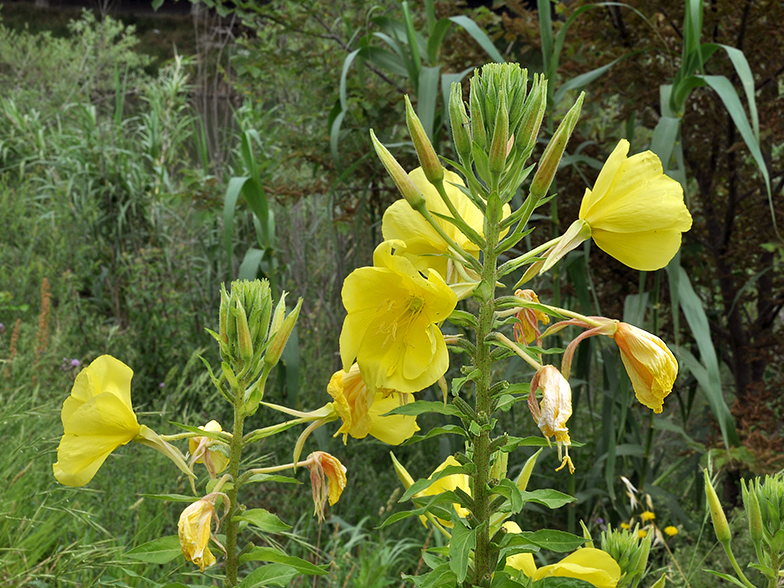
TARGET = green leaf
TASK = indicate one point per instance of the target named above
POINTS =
(435, 432)
(728, 578)
(424, 407)
(276, 574)
(264, 520)
(277, 556)
(435, 39)
(558, 541)
(425, 483)
(427, 97)
(549, 498)
(479, 36)
(511, 492)
(170, 497)
(158, 551)
(271, 478)
(460, 545)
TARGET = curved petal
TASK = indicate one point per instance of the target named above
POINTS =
(605, 180)
(104, 374)
(644, 251)
(392, 429)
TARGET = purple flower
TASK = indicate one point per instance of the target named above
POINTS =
(75, 363)
(2, 328)
(162, 384)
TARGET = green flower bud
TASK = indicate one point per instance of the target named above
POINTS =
(478, 132)
(428, 159)
(548, 165)
(751, 502)
(533, 113)
(629, 551)
(402, 180)
(498, 148)
(720, 525)
(281, 336)
(244, 341)
(244, 314)
(459, 121)
(498, 469)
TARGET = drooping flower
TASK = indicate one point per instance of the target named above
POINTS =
(554, 410)
(97, 418)
(362, 413)
(592, 565)
(392, 323)
(328, 479)
(651, 366)
(205, 450)
(194, 529)
(636, 213)
(424, 246)
(528, 328)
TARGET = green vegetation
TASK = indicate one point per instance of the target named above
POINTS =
(120, 147)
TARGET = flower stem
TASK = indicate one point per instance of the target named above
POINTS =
(235, 454)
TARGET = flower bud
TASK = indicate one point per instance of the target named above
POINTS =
(459, 121)
(720, 525)
(533, 114)
(751, 502)
(244, 341)
(551, 158)
(478, 132)
(244, 317)
(281, 337)
(498, 148)
(402, 180)
(428, 159)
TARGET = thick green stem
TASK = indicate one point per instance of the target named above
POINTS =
(484, 564)
(235, 449)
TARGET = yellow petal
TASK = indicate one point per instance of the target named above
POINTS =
(392, 429)
(643, 251)
(594, 566)
(105, 374)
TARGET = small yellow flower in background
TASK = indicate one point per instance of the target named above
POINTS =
(636, 213)
(528, 327)
(554, 410)
(194, 529)
(362, 413)
(97, 418)
(392, 323)
(592, 565)
(204, 450)
(328, 479)
(647, 516)
(625, 526)
(642, 534)
(651, 366)
(424, 246)
(671, 531)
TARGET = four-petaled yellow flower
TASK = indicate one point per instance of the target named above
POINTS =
(424, 246)
(205, 450)
(327, 478)
(651, 366)
(392, 323)
(594, 566)
(635, 212)
(554, 410)
(97, 418)
(362, 413)
(194, 530)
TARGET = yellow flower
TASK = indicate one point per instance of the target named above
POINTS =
(594, 566)
(424, 246)
(651, 366)
(194, 532)
(671, 531)
(635, 212)
(203, 450)
(449, 484)
(392, 323)
(555, 409)
(642, 534)
(647, 516)
(359, 420)
(328, 479)
(97, 418)
(625, 526)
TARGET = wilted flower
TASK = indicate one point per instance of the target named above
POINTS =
(328, 479)
(392, 323)
(528, 328)
(651, 366)
(555, 409)
(194, 529)
(206, 450)
(362, 412)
